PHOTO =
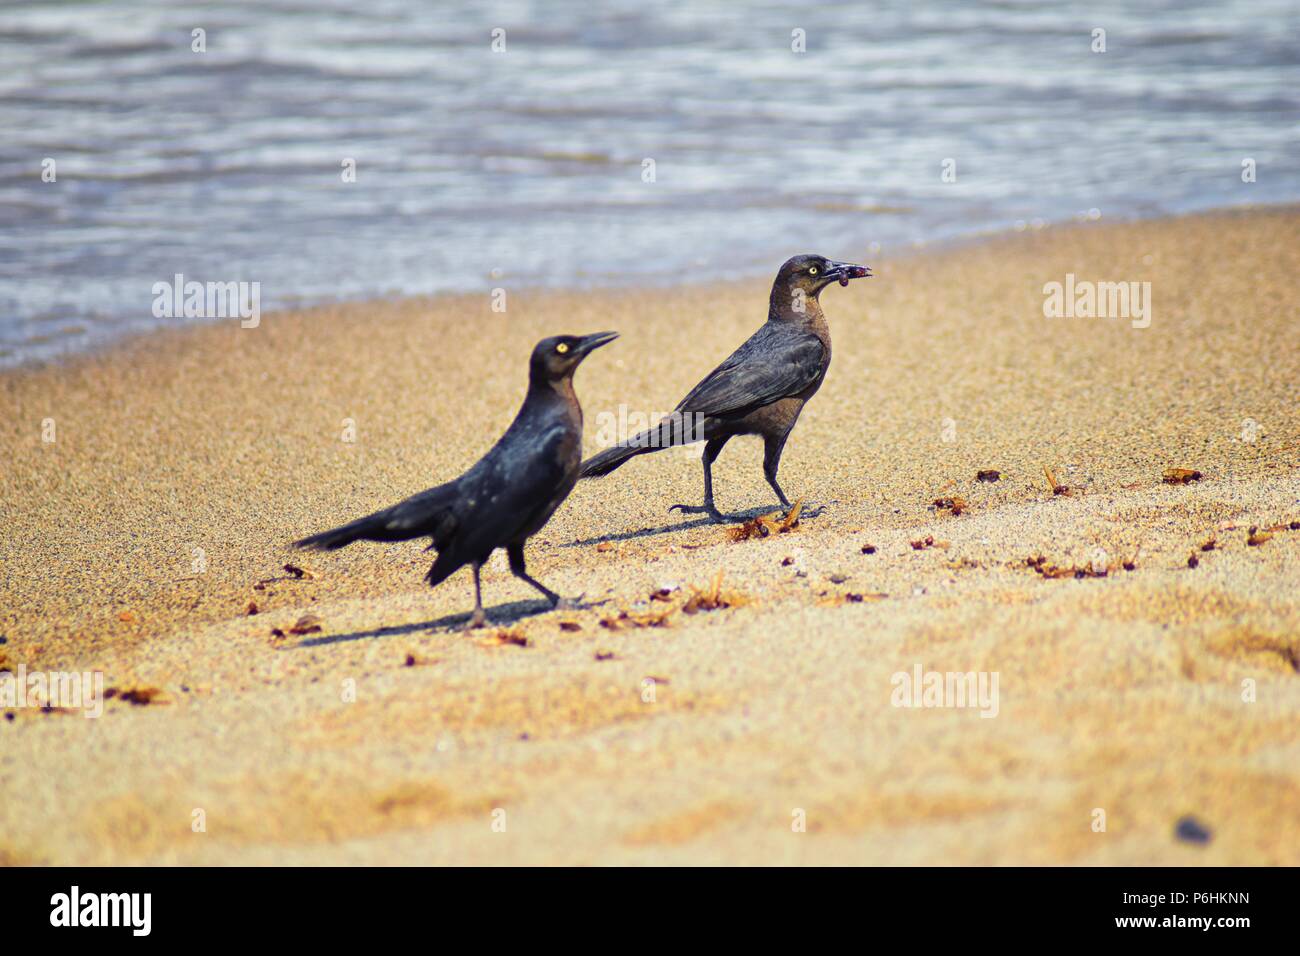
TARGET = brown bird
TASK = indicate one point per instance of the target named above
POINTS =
(509, 494)
(759, 390)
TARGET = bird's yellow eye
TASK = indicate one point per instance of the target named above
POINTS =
(812, 270)
(562, 348)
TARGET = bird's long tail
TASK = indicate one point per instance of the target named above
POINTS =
(335, 538)
(415, 517)
(669, 432)
(602, 463)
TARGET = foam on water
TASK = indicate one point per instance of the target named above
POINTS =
(478, 169)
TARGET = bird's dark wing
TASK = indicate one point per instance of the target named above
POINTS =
(430, 512)
(502, 495)
(776, 362)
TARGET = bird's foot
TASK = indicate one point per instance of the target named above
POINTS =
(709, 510)
(476, 620)
(568, 604)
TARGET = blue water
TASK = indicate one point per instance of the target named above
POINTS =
(478, 169)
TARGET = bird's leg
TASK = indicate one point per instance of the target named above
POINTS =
(712, 448)
(772, 448)
(478, 618)
(519, 569)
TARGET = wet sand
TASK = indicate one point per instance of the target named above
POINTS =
(135, 543)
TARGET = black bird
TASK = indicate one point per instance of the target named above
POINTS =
(760, 389)
(509, 494)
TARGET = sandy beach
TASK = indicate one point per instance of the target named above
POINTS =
(147, 540)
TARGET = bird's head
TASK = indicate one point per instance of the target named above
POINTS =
(555, 358)
(810, 274)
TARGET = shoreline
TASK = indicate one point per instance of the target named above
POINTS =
(901, 252)
(137, 541)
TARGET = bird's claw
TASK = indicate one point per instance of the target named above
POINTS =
(569, 604)
(477, 619)
(713, 513)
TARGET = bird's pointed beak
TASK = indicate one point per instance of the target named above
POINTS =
(594, 341)
(844, 271)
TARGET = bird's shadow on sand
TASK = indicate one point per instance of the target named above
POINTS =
(809, 513)
(498, 616)
(504, 614)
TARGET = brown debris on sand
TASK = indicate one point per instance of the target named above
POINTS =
(851, 597)
(502, 637)
(954, 504)
(139, 696)
(1180, 476)
(628, 619)
(1056, 486)
(772, 523)
(307, 624)
(714, 598)
(1039, 565)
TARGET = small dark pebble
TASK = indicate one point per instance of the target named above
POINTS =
(988, 475)
(868, 549)
(1129, 565)
(1191, 830)
(410, 660)
(1193, 561)
(838, 578)
(1294, 526)
(9, 715)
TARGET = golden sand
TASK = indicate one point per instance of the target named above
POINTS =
(183, 463)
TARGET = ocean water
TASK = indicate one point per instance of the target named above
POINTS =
(477, 168)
